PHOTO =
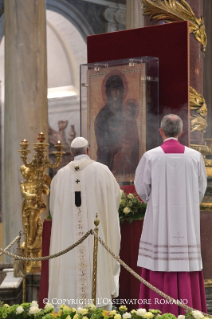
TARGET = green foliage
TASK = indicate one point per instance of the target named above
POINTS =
(97, 314)
(131, 208)
(32, 311)
(49, 216)
(167, 316)
(154, 311)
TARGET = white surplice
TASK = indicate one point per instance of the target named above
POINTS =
(70, 276)
(173, 185)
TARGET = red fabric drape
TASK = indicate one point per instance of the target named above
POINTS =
(168, 42)
(130, 237)
(44, 280)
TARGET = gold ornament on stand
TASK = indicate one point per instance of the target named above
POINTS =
(198, 120)
(36, 185)
(198, 112)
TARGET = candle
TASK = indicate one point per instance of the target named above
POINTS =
(41, 137)
(24, 144)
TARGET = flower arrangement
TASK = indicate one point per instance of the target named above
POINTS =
(32, 311)
(131, 208)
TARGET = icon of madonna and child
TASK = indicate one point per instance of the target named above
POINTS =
(116, 128)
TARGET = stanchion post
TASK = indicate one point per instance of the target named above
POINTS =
(25, 262)
(95, 254)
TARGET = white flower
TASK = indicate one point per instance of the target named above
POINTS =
(79, 310)
(48, 306)
(197, 314)
(126, 210)
(141, 312)
(126, 315)
(181, 317)
(34, 303)
(33, 310)
(19, 310)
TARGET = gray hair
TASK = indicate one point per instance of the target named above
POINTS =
(171, 125)
(79, 151)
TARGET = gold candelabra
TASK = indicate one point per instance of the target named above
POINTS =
(32, 190)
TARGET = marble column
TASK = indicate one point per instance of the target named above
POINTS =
(25, 98)
(135, 17)
(207, 64)
(196, 66)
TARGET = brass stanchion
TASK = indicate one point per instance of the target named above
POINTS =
(95, 253)
(25, 262)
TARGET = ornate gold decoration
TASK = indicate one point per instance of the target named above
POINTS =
(205, 150)
(206, 206)
(36, 185)
(208, 282)
(95, 253)
(199, 111)
(173, 10)
(198, 118)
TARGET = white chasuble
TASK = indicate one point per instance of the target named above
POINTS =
(173, 185)
(70, 275)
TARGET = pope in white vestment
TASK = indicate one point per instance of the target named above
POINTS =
(172, 180)
(70, 276)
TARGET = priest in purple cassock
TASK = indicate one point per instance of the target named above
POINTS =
(172, 180)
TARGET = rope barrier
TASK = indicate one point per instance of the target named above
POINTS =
(10, 245)
(130, 270)
(62, 252)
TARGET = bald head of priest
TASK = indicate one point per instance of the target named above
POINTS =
(172, 180)
(79, 191)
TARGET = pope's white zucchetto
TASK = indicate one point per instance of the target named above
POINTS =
(79, 142)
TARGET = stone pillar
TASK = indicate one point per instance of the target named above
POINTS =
(196, 66)
(25, 98)
(207, 62)
(135, 17)
(115, 19)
